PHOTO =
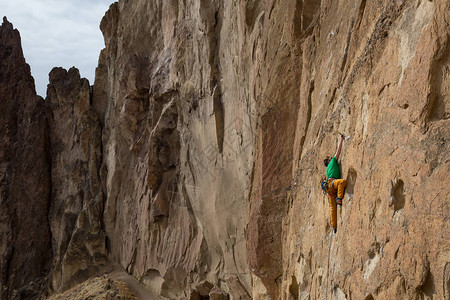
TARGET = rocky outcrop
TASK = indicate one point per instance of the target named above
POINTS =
(51, 191)
(98, 288)
(77, 197)
(25, 247)
(195, 162)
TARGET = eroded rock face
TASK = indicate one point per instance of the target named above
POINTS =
(175, 160)
(373, 72)
(77, 197)
(51, 194)
(25, 247)
(215, 107)
(196, 162)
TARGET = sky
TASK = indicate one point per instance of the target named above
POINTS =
(58, 33)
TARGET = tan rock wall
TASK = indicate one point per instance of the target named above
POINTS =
(176, 146)
(374, 71)
(218, 115)
(195, 163)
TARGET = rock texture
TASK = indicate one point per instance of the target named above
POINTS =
(232, 106)
(97, 288)
(25, 247)
(77, 197)
(175, 160)
(195, 162)
(380, 73)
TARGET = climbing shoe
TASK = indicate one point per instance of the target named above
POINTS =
(334, 229)
(339, 201)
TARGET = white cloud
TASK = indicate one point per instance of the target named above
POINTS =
(58, 33)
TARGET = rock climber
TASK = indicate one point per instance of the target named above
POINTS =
(333, 185)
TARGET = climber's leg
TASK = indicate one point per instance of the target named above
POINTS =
(333, 210)
(339, 185)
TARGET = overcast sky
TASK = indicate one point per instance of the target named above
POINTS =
(58, 33)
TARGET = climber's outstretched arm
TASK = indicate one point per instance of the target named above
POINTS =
(338, 151)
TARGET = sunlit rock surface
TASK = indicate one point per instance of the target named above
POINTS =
(195, 161)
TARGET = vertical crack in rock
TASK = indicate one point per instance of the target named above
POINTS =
(437, 108)
(346, 50)
(215, 81)
(308, 116)
(219, 116)
(361, 10)
(446, 280)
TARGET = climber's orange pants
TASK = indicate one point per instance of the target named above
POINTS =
(336, 188)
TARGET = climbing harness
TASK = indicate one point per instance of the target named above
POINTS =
(326, 184)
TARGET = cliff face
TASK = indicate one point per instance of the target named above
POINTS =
(232, 107)
(77, 198)
(195, 163)
(378, 72)
(177, 147)
(24, 175)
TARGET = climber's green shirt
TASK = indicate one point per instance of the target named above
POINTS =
(333, 169)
